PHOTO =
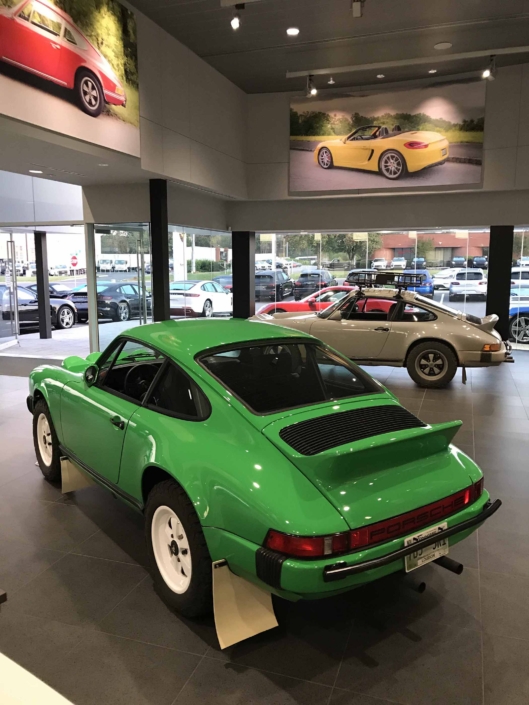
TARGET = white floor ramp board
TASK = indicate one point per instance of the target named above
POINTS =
(241, 608)
(20, 687)
(72, 477)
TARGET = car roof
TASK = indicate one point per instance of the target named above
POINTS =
(185, 338)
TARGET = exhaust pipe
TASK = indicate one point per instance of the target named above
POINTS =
(451, 565)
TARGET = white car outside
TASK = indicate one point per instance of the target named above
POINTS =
(523, 261)
(399, 263)
(194, 298)
(379, 263)
(106, 265)
(403, 329)
(121, 265)
(442, 279)
(520, 274)
(57, 270)
(468, 282)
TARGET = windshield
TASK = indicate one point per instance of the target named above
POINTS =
(272, 377)
(121, 261)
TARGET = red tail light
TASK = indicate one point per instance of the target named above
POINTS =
(482, 282)
(380, 532)
(298, 283)
(192, 296)
(105, 298)
(269, 286)
(455, 283)
(416, 145)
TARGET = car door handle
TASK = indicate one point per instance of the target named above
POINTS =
(117, 421)
(56, 46)
(383, 329)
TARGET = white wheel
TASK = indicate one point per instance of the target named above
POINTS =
(44, 440)
(171, 549)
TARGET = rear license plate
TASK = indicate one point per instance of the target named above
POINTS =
(443, 152)
(428, 553)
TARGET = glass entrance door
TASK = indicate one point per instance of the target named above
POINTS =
(9, 323)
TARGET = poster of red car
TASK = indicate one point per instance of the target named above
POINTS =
(67, 63)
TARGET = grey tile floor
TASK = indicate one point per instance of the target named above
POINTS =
(82, 614)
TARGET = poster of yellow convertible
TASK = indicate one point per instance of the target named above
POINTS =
(429, 136)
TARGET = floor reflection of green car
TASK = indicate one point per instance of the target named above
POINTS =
(257, 444)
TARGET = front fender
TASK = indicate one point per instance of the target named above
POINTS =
(47, 382)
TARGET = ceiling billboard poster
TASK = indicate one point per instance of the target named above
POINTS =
(71, 66)
(386, 139)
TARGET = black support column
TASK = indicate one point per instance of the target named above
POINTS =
(499, 275)
(243, 264)
(159, 250)
(43, 284)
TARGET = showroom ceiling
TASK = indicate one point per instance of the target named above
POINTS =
(259, 54)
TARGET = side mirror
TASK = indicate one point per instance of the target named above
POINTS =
(312, 301)
(90, 375)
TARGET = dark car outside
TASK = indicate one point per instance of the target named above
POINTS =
(460, 262)
(480, 262)
(225, 281)
(116, 301)
(57, 291)
(418, 263)
(314, 280)
(273, 285)
(350, 278)
(63, 313)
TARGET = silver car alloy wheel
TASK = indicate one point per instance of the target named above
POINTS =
(123, 312)
(431, 364)
(325, 158)
(208, 309)
(520, 329)
(66, 317)
(90, 93)
(392, 165)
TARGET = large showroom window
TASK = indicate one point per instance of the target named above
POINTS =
(519, 304)
(200, 273)
(308, 270)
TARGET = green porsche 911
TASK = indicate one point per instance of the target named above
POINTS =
(258, 445)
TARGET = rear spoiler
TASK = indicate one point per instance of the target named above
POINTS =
(486, 324)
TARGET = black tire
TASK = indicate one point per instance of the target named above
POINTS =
(392, 165)
(89, 92)
(325, 159)
(51, 470)
(207, 311)
(197, 600)
(432, 364)
(65, 317)
(122, 312)
(279, 293)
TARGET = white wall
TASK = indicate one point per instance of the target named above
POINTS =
(28, 200)
(193, 120)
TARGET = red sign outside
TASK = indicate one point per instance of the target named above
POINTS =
(74, 262)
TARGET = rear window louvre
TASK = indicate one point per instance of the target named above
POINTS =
(325, 432)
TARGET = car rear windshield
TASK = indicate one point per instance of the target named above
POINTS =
(265, 278)
(272, 377)
(311, 275)
(469, 276)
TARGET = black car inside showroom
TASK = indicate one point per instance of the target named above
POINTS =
(264, 352)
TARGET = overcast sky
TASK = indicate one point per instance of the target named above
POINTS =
(452, 102)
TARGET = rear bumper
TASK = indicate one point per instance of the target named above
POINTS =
(341, 570)
(476, 358)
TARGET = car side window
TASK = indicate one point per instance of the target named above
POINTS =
(370, 309)
(69, 36)
(25, 13)
(46, 19)
(209, 287)
(416, 314)
(129, 370)
(175, 394)
(128, 290)
(25, 296)
(218, 288)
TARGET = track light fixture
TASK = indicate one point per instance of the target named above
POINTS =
(236, 19)
(331, 81)
(490, 73)
(311, 88)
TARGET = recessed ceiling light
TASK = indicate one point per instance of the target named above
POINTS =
(102, 164)
(35, 171)
(293, 31)
(432, 71)
(442, 45)
(380, 75)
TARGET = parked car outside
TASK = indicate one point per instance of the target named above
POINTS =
(520, 274)
(379, 263)
(350, 278)
(193, 297)
(225, 429)
(63, 313)
(312, 302)
(57, 291)
(106, 265)
(418, 263)
(480, 262)
(116, 301)
(57, 270)
(121, 265)
(311, 281)
(403, 329)
(519, 312)
(458, 262)
(225, 281)
(274, 285)
(442, 279)
(426, 288)
(39, 37)
(398, 263)
(469, 283)
(523, 261)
